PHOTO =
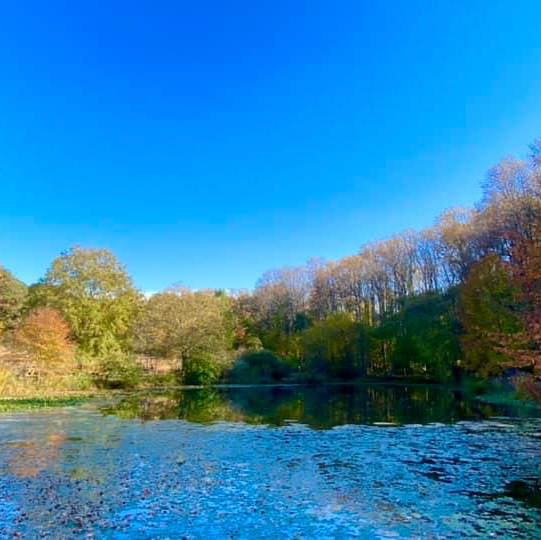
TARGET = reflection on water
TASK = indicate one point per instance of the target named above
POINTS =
(286, 462)
(528, 491)
(319, 407)
(34, 457)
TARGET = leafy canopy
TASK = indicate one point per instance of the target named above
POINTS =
(190, 326)
(96, 296)
(12, 298)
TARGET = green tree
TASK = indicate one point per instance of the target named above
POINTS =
(13, 294)
(336, 347)
(423, 336)
(95, 295)
(488, 313)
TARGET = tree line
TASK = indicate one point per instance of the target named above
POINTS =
(461, 296)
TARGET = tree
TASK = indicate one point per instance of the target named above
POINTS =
(243, 319)
(524, 269)
(280, 295)
(511, 205)
(190, 326)
(12, 298)
(45, 335)
(95, 295)
(456, 236)
(335, 347)
(423, 336)
(489, 316)
(429, 261)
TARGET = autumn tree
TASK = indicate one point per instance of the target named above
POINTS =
(429, 258)
(488, 313)
(525, 273)
(511, 206)
(511, 202)
(45, 335)
(456, 235)
(281, 294)
(193, 327)
(244, 321)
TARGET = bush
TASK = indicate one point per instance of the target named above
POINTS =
(259, 367)
(202, 370)
(118, 370)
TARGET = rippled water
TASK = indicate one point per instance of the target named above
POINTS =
(370, 462)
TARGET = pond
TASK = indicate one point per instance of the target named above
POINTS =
(259, 462)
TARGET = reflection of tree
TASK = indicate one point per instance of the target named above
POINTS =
(196, 405)
(329, 406)
(34, 456)
(319, 407)
(75, 474)
(207, 405)
(145, 407)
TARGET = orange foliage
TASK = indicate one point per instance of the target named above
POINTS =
(525, 269)
(46, 336)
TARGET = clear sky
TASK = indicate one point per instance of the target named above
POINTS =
(206, 142)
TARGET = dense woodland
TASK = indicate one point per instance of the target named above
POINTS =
(462, 297)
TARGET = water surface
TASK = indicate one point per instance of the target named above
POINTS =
(329, 462)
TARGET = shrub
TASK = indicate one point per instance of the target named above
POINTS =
(118, 370)
(202, 370)
(259, 367)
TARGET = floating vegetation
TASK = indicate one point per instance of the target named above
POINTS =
(26, 404)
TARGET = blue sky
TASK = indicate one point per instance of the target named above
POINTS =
(206, 142)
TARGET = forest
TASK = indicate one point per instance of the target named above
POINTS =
(461, 298)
